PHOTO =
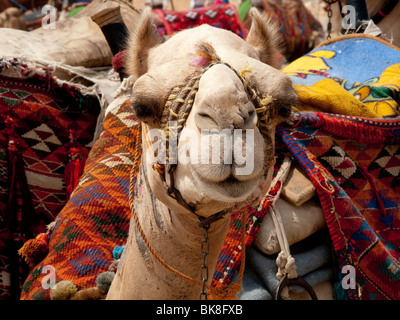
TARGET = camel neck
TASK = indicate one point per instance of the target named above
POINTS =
(176, 238)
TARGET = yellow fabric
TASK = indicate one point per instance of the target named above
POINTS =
(374, 98)
(328, 96)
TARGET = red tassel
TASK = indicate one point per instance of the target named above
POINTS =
(73, 170)
(35, 250)
(118, 60)
(13, 156)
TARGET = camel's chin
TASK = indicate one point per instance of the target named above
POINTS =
(216, 187)
(223, 184)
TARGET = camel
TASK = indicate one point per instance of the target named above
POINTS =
(170, 225)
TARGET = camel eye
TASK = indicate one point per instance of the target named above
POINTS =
(284, 110)
(146, 112)
(142, 111)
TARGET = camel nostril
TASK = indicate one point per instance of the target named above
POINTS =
(205, 121)
(205, 115)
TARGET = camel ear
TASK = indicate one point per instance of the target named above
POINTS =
(265, 38)
(142, 39)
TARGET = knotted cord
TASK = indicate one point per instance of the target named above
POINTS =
(285, 261)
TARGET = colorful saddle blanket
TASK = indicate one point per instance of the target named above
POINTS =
(46, 130)
(353, 162)
(355, 75)
(220, 15)
(96, 218)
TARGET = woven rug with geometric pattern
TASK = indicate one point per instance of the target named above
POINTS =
(96, 218)
(221, 15)
(354, 163)
(46, 127)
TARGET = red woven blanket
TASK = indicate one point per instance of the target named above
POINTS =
(221, 15)
(46, 129)
(96, 219)
(354, 164)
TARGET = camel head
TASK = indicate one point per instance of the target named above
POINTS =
(217, 99)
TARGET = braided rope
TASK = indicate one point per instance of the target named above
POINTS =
(180, 102)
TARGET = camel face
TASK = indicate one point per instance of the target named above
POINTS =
(223, 154)
(221, 141)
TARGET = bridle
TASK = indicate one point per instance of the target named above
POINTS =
(177, 109)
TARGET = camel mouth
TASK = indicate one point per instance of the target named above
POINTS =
(231, 179)
(230, 189)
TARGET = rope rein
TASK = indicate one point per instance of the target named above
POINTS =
(287, 270)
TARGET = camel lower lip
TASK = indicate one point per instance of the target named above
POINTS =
(230, 179)
(229, 188)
